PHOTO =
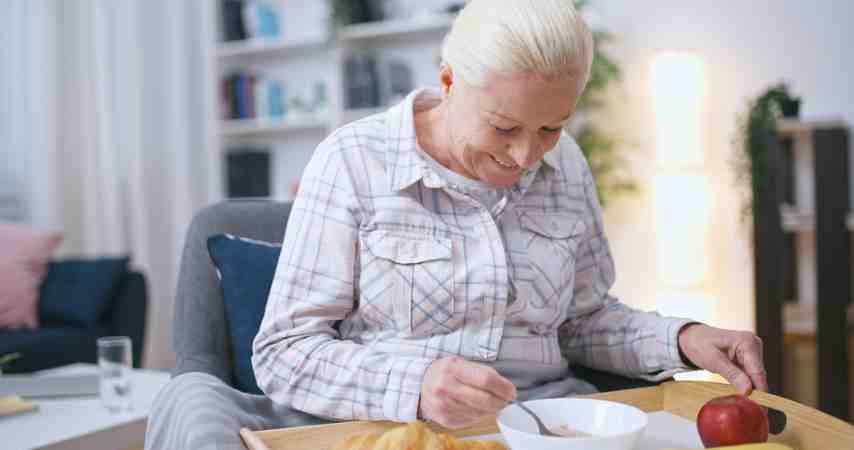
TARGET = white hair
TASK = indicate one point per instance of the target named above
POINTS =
(544, 37)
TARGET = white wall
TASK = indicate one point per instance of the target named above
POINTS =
(746, 46)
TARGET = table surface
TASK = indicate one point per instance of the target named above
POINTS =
(61, 419)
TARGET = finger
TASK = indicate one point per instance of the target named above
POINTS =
(486, 379)
(722, 365)
(749, 354)
(478, 400)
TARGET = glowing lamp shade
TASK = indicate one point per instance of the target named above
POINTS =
(681, 191)
(678, 85)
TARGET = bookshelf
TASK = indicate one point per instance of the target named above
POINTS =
(268, 47)
(305, 54)
(802, 227)
(271, 126)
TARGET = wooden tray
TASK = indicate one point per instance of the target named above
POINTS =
(807, 428)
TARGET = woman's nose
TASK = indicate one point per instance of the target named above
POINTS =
(526, 153)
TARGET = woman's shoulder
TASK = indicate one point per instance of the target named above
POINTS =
(366, 134)
(568, 158)
(355, 151)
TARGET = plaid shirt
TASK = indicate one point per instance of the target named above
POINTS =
(385, 267)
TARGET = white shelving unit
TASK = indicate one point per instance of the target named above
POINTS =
(269, 126)
(395, 29)
(268, 47)
(305, 54)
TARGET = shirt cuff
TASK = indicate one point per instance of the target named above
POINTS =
(669, 361)
(400, 402)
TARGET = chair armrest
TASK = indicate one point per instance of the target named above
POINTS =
(605, 381)
(127, 316)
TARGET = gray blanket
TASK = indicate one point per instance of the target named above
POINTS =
(198, 411)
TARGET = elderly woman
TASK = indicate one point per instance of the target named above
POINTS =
(448, 255)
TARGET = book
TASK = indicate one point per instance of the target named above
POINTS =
(12, 405)
(248, 172)
(261, 19)
(233, 27)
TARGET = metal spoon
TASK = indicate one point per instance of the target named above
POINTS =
(543, 429)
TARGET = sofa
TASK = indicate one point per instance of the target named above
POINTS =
(57, 342)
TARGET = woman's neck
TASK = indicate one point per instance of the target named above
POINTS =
(431, 131)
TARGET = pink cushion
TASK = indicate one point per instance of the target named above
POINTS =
(24, 254)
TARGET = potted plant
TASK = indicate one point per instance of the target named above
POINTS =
(7, 359)
(601, 150)
(790, 107)
(756, 135)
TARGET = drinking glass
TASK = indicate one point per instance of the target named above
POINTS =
(115, 366)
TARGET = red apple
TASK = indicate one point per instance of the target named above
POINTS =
(732, 420)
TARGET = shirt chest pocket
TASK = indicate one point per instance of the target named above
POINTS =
(407, 282)
(552, 243)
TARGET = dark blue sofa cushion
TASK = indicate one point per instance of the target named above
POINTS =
(78, 292)
(48, 346)
(246, 268)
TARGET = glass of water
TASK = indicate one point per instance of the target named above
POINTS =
(115, 365)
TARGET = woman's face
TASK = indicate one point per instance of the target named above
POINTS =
(497, 131)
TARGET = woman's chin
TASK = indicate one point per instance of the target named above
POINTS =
(499, 181)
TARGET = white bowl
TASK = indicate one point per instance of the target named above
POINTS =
(614, 426)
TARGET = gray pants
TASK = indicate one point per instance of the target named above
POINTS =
(199, 411)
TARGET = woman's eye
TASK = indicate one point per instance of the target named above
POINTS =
(504, 130)
(551, 130)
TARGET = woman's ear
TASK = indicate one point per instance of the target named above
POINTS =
(446, 79)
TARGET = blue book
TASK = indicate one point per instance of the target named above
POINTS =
(268, 21)
(275, 95)
(240, 96)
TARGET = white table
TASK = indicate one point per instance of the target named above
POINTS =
(82, 422)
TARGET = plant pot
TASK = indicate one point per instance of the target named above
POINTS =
(790, 108)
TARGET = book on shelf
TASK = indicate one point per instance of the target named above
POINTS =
(233, 28)
(248, 172)
(248, 19)
(261, 19)
(248, 95)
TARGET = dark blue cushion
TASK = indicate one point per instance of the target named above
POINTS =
(246, 268)
(49, 346)
(78, 292)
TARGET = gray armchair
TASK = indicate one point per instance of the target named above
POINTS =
(200, 408)
(200, 335)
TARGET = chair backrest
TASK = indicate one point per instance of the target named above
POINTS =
(200, 334)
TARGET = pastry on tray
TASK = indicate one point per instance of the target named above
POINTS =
(412, 436)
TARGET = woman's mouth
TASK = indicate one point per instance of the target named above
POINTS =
(506, 165)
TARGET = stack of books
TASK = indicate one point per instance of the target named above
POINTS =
(248, 95)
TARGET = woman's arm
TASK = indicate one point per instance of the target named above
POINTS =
(613, 337)
(298, 358)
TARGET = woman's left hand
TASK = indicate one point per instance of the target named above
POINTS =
(735, 355)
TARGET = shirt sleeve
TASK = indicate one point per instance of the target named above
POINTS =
(298, 357)
(611, 336)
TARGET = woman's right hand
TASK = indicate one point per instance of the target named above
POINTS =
(456, 393)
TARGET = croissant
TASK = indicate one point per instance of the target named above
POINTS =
(412, 436)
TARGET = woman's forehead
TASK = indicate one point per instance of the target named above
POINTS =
(523, 98)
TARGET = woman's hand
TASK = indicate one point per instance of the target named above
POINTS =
(735, 355)
(456, 393)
